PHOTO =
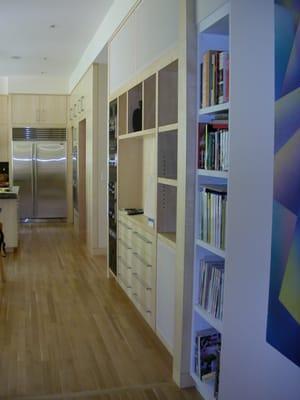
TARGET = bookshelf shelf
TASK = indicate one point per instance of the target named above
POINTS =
(167, 128)
(214, 109)
(213, 173)
(206, 388)
(210, 248)
(169, 238)
(214, 322)
(168, 182)
(138, 134)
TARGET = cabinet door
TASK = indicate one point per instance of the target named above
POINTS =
(3, 109)
(4, 143)
(165, 293)
(25, 109)
(53, 110)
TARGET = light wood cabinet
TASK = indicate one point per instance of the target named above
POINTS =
(25, 109)
(3, 109)
(4, 143)
(38, 109)
(53, 109)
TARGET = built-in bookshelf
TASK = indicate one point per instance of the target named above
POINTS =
(147, 122)
(212, 176)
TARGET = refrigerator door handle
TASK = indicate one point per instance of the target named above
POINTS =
(34, 179)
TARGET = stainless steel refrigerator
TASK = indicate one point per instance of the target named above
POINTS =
(39, 168)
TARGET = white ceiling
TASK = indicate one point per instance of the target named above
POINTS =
(25, 32)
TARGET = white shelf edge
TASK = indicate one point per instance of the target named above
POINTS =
(212, 249)
(214, 109)
(137, 134)
(214, 17)
(168, 128)
(206, 389)
(214, 322)
(166, 239)
(166, 181)
(212, 173)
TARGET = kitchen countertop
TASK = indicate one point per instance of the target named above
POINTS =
(9, 193)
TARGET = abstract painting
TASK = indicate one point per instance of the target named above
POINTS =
(283, 325)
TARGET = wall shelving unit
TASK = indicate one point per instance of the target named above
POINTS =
(213, 34)
(147, 179)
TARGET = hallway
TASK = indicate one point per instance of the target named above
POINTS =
(66, 331)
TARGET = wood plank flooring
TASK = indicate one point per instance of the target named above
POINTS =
(66, 331)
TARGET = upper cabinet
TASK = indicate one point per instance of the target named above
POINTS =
(53, 109)
(24, 109)
(3, 109)
(38, 109)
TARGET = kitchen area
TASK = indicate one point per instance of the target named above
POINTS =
(54, 149)
(33, 163)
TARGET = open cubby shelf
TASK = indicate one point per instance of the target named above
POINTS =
(138, 134)
(135, 108)
(122, 114)
(167, 155)
(149, 102)
(166, 208)
(168, 94)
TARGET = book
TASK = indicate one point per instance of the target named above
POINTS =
(213, 146)
(214, 78)
(207, 344)
(212, 209)
(211, 286)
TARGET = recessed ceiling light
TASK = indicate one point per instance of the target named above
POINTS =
(53, 26)
(16, 57)
(45, 58)
(43, 73)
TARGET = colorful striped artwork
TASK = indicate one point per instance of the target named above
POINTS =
(283, 327)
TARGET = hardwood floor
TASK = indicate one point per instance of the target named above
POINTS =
(66, 331)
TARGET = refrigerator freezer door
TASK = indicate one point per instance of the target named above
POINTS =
(23, 176)
(50, 180)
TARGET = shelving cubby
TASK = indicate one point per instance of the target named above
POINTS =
(122, 120)
(212, 178)
(135, 108)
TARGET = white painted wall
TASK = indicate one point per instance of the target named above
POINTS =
(147, 34)
(38, 84)
(115, 16)
(251, 368)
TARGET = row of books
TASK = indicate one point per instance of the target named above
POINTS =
(211, 287)
(214, 78)
(207, 357)
(214, 149)
(213, 200)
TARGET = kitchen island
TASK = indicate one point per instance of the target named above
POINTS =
(9, 216)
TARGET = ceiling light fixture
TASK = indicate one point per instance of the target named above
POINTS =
(16, 57)
(45, 58)
(53, 26)
(43, 73)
